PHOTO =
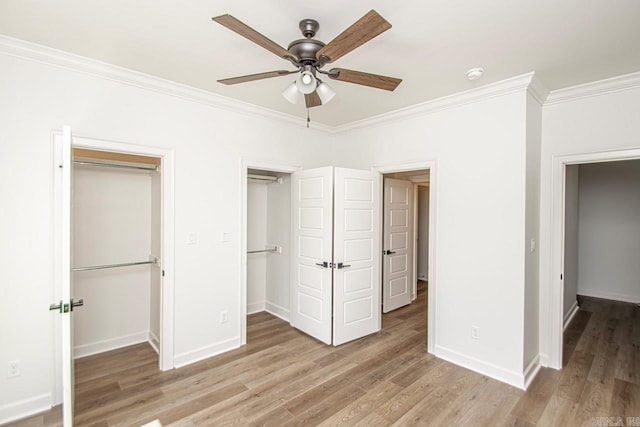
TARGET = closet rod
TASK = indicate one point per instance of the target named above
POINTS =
(126, 264)
(274, 249)
(114, 165)
(266, 178)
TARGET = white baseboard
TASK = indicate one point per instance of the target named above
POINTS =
(531, 371)
(24, 408)
(205, 352)
(85, 350)
(513, 378)
(570, 315)
(154, 342)
(255, 307)
(597, 293)
(277, 311)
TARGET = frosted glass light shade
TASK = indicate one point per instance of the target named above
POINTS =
(291, 93)
(306, 82)
(325, 92)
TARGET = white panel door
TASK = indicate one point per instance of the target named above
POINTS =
(356, 254)
(63, 277)
(312, 217)
(398, 244)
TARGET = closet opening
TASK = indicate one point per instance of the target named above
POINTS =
(267, 245)
(116, 235)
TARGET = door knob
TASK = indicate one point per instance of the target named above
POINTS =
(388, 252)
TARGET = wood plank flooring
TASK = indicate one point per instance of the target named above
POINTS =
(285, 378)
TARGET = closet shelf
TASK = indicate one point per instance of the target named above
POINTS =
(276, 249)
(152, 260)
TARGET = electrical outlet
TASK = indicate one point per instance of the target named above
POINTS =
(475, 332)
(224, 316)
(13, 369)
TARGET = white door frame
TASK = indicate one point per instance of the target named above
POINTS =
(167, 294)
(245, 165)
(552, 292)
(432, 276)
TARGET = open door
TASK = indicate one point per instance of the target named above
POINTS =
(312, 235)
(64, 279)
(398, 244)
(356, 253)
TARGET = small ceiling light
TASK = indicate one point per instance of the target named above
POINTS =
(306, 82)
(475, 73)
(291, 93)
(325, 92)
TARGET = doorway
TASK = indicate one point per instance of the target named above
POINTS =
(423, 179)
(265, 241)
(63, 330)
(552, 295)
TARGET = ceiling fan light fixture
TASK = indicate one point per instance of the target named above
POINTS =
(291, 93)
(306, 82)
(325, 92)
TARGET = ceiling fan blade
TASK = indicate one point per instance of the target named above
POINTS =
(312, 99)
(252, 77)
(363, 30)
(247, 32)
(366, 79)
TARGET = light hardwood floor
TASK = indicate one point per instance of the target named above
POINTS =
(284, 378)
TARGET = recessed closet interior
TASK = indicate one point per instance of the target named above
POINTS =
(268, 242)
(116, 248)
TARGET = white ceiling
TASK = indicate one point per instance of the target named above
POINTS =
(431, 45)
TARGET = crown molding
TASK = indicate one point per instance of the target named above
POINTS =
(600, 87)
(538, 90)
(503, 87)
(72, 62)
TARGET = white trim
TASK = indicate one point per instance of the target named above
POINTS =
(513, 378)
(531, 371)
(552, 292)
(598, 293)
(503, 87)
(25, 408)
(60, 59)
(154, 342)
(433, 198)
(89, 349)
(245, 165)
(570, 315)
(277, 311)
(205, 352)
(600, 87)
(255, 307)
(538, 90)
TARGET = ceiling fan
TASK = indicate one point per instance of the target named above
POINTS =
(309, 55)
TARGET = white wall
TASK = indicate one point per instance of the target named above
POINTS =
(480, 236)
(111, 224)
(423, 232)
(609, 231)
(209, 142)
(571, 240)
(279, 233)
(531, 237)
(256, 240)
(602, 122)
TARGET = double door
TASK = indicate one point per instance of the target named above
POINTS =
(336, 271)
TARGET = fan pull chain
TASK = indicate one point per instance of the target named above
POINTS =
(308, 119)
